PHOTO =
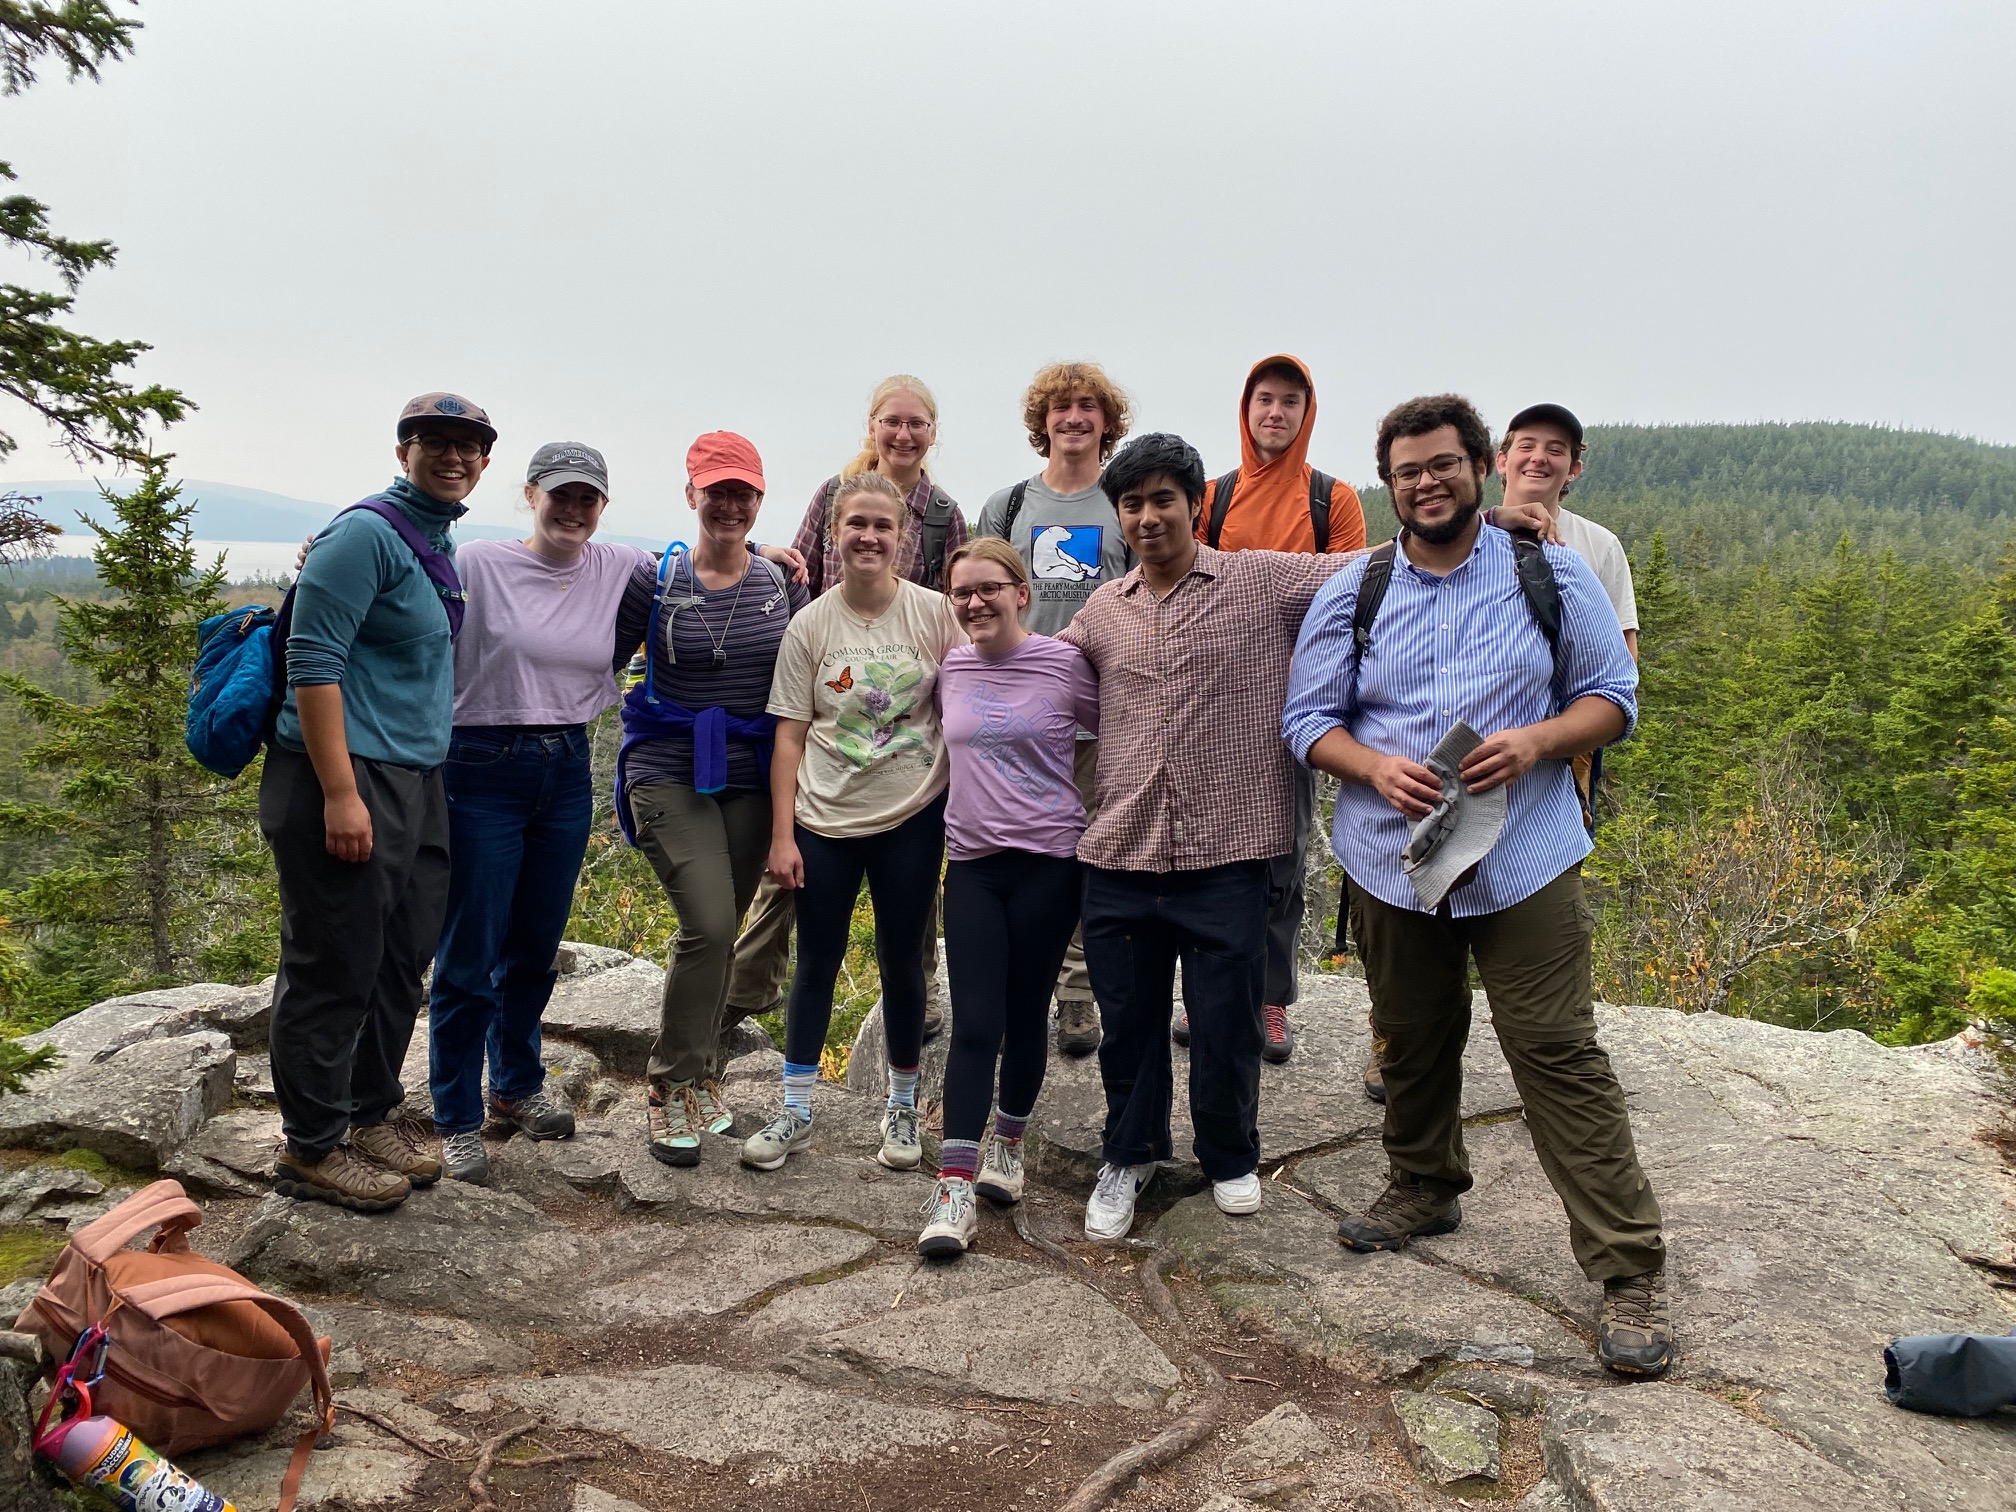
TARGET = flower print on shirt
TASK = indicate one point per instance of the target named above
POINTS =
(874, 709)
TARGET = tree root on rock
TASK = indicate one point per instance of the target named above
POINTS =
(1050, 1247)
(486, 1461)
(1181, 1436)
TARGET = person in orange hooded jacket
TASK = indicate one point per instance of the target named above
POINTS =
(1276, 501)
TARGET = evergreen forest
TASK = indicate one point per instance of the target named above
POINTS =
(1814, 825)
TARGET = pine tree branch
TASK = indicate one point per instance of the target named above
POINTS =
(78, 34)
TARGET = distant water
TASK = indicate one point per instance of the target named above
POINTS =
(246, 561)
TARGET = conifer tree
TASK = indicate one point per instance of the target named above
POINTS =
(160, 853)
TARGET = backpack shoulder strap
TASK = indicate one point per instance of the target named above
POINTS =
(161, 1205)
(1015, 497)
(1218, 506)
(937, 522)
(668, 567)
(1320, 484)
(1371, 594)
(438, 565)
(1541, 592)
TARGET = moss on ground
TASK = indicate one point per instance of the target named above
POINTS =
(27, 1250)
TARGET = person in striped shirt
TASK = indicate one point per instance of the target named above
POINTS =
(1455, 640)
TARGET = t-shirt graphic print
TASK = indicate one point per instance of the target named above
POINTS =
(1070, 543)
(874, 754)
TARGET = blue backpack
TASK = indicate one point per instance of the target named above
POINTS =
(240, 678)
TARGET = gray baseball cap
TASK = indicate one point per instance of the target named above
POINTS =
(559, 462)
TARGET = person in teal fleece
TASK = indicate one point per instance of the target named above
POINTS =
(352, 803)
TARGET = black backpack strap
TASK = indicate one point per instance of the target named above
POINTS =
(1320, 484)
(1371, 594)
(1015, 497)
(937, 522)
(1542, 593)
(1218, 506)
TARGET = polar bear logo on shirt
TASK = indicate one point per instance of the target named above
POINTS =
(1065, 552)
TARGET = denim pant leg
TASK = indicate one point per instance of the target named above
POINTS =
(492, 794)
(556, 838)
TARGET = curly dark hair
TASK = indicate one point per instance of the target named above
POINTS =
(1060, 380)
(1417, 417)
(1145, 456)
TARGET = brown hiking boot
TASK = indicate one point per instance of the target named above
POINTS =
(403, 1144)
(1375, 1069)
(1635, 1334)
(934, 1016)
(1078, 1031)
(1408, 1209)
(342, 1177)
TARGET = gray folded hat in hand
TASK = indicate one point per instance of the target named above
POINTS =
(1461, 827)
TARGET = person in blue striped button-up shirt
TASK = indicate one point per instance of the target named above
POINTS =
(1456, 640)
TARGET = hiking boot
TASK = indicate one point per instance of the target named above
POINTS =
(1077, 1026)
(1240, 1195)
(538, 1115)
(465, 1159)
(953, 1220)
(1110, 1212)
(1180, 1030)
(901, 1148)
(1635, 1333)
(934, 1018)
(1279, 1037)
(710, 1108)
(770, 1146)
(404, 1144)
(342, 1177)
(674, 1132)
(1375, 1069)
(1408, 1209)
(1000, 1178)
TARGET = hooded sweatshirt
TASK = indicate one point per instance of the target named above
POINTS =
(1270, 506)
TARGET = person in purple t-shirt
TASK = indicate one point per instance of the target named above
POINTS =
(1010, 703)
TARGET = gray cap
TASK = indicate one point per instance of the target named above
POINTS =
(559, 462)
(1459, 831)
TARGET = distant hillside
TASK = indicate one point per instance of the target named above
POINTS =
(1785, 493)
(226, 512)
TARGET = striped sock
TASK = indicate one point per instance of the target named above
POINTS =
(798, 1081)
(902, 1086)
(961, 1158)
(1008, 1129)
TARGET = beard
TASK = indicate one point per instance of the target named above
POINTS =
(1449, 530)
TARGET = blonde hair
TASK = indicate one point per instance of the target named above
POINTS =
(988, 549)
(867, 483)
(897, 383)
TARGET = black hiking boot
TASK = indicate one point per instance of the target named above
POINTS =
(1408, 1209)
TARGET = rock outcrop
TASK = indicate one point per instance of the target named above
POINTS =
(762, 1333)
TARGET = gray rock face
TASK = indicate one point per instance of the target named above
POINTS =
(22, 1488)
(574, 959)
(42, 1190)
(455, 1347)
(343, 1476)
(1050, 1340)
(1449, 1441)
(613, 1011)
(136, 1106)
(1314, 1102)
(588, 1499)
(493, 1258)
(230, 1156)
(1661, 1448)
(1286, 1436)
(241, 1014)
(772, 1422)
(882, 1291)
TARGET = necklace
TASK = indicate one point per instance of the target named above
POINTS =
(720, 645)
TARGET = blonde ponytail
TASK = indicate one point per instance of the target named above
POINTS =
(898, 383)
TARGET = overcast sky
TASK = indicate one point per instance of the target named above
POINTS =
(629, 223)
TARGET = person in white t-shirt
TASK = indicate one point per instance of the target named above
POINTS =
(1540, 458)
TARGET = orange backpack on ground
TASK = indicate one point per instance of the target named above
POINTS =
(196, 1354)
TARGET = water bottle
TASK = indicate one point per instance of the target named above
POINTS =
(107, 1456)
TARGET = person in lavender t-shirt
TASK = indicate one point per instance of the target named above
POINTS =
(1011, 703)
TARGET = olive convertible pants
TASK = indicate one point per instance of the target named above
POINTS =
(1533, 959)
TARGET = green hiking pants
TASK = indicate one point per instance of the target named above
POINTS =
(1533, 959)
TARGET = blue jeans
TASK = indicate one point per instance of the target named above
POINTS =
(519, 806)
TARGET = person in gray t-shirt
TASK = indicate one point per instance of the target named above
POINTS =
(1069, 537)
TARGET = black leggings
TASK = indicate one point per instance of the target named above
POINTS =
(902, 870)
(1008, 919)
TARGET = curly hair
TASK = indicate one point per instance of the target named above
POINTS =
(1061, 380)
(1157, 452)
(1418, 417)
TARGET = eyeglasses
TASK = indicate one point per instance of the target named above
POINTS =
(440, 446)
(918, 427)
(1443, 468)
(985, 592)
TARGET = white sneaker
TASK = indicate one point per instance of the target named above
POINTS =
(1000, 1178)
(901, 1147)
(1110, 1212)
(953, 1220)
(1239, 1195)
